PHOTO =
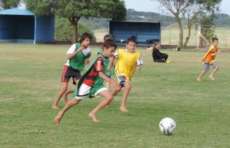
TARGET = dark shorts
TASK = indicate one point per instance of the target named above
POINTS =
(73, 73)
(121, 80)
(69, 72)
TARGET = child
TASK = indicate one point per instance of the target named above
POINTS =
(158, 56)
(128, 60)
(209, 60)
(77, 55)
(91, 84)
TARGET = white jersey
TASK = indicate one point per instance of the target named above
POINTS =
(72, 49)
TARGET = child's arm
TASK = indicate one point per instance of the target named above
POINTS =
(107, 79)
(71, 55)
(140, 61)
(112, 61)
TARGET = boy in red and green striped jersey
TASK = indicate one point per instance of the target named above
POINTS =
(92, 84)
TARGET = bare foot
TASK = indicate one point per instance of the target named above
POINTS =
(123, 109)
(198, 79)
(57, 120)
(56, 107)
(212, 78)
(93, 117)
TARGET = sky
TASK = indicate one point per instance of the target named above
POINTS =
(153, 6)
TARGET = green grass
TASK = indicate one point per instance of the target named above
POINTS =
(29, 81)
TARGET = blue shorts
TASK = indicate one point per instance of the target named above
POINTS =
(121, 80)
(208, 65)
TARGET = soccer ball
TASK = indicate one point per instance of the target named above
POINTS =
(167, 126)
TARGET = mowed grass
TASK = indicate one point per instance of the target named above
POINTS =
(29, 81)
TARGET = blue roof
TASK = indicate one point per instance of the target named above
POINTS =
(16, 11)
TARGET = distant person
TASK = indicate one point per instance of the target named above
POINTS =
(209, 60)
(158, 56)
(108, 37)
(77, 56)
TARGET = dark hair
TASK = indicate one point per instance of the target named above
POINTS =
(132, 39)
(108, 37)
(108, 44)
(85, 36)
(214, 39)
(154, 47)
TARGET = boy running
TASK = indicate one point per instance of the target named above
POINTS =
(127, 61)
(92, 84)
(77, 55)
(209, 61)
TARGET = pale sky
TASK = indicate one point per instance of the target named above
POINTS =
(153, 5)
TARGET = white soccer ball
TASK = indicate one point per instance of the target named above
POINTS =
(167, 126)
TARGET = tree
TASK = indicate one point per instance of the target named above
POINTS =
(9, 3)
(191, 15)
(177, 8)
(188, 10)
(75, 9)
(42, 7)
(207, 25)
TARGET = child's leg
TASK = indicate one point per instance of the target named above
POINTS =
(63, 89)
(70, 91)
(203, 72)
(105, 102)
(127, 89)
(115, 89)
(215, 69)
(61, 113)
(66, 95)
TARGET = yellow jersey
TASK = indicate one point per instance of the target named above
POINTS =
(126, 63)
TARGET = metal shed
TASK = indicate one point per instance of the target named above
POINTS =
(145, 32)
(21, 25)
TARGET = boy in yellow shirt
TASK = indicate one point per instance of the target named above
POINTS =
(209, 60)
(127, 60)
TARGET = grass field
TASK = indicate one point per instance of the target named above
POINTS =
(29, 81)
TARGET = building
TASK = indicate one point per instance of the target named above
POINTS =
(21, 25)
(145, 32)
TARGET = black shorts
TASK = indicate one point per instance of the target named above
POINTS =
(72, 73)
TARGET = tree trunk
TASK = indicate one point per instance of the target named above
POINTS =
(189, 27)
(74, 22)
(181, 32)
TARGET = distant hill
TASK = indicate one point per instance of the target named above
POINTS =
(165, 20)
(221, 20)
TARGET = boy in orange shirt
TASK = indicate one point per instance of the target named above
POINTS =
(209, 60)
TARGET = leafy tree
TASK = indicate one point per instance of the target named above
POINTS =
(190, 11)
(75, 9)
(9, 3)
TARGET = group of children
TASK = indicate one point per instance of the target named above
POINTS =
(208, 59)
(122, 63)
(110, 61)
